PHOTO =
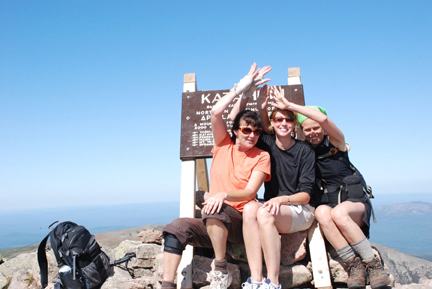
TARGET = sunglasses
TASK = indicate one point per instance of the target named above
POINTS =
(281, 119)
(247, 130)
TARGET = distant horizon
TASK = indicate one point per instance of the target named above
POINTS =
(377, 201)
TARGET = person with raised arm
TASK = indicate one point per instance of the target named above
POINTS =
(286, 207)
(344, 209)
(237, 172)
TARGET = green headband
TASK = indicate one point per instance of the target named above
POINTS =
(301, 118)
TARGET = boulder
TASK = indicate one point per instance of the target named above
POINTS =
(203, 265)
(151, 236)
(3, 281)
(293, 249)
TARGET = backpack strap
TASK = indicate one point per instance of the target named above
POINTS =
(43, 263)
(331, 152)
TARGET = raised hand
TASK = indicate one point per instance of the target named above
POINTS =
(253, 79)
(263, 97)
(280, 101)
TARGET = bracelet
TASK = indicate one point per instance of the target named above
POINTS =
(289, 201)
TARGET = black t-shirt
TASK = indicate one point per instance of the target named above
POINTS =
(292, 170)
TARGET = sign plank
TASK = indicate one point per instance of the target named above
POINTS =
(196, 132)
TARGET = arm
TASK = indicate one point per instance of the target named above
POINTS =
(336, 136)
(218, 124)
(215, 202)
(240, 105)
(263, 99)
(273, 205)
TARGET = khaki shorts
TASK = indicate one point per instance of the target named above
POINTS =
(303, 216)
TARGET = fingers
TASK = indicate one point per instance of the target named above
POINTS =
(258, 83)
(252, 69)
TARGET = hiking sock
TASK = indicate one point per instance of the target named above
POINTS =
(168, 285)
(221, 266)
(346, 253)
(364, 250)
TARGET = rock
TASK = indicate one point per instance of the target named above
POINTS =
(3, 281)
(148, 251)
(405, 268)
(293, 247)
(290, 276)
(23, 270)
(294, 275)
(423, 284)
(24, 279)
(129, 283)
(203, 265)
(151, 236)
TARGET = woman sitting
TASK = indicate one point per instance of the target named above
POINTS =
(237, 172)
(343, 214)
(286, 208)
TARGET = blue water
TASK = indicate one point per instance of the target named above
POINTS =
(23, 228)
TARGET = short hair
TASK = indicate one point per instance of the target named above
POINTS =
(250, 117)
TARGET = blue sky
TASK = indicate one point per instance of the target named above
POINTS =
(90, 91)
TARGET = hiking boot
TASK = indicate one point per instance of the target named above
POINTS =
(267, 284)
(219, 280)
(249, 284)
(377, 275)
(356, 274)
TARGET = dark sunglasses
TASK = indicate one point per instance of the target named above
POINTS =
(281, 119)
(247, 130)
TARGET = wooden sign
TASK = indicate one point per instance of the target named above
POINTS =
(196, 132)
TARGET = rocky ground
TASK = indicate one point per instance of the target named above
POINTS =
(21, 269)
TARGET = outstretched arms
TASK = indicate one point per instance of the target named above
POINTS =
(336, 136)
(218, 124)
(243, 99)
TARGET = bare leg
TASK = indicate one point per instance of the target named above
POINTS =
(270, 227)
(171, 263)
(348, 216)
(252, 240)
(218, 234)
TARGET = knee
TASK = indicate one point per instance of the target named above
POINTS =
(323, 216)
(264, 217)
(172, 245)
(340, 217)
(250, 213)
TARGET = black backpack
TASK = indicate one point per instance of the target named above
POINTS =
(83, 265)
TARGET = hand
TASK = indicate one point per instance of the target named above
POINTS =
(214, 203)
(273, 205)
(255, 76)
(263, 97)
(280, 101)
(258, 80)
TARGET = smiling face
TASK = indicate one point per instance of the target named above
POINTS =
(282, 122)
(313, 132)
(246, 136)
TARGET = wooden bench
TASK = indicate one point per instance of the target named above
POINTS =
(195, 148)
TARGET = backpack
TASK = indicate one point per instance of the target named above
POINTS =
(82, 263)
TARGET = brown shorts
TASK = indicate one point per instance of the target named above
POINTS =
(192, 231)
